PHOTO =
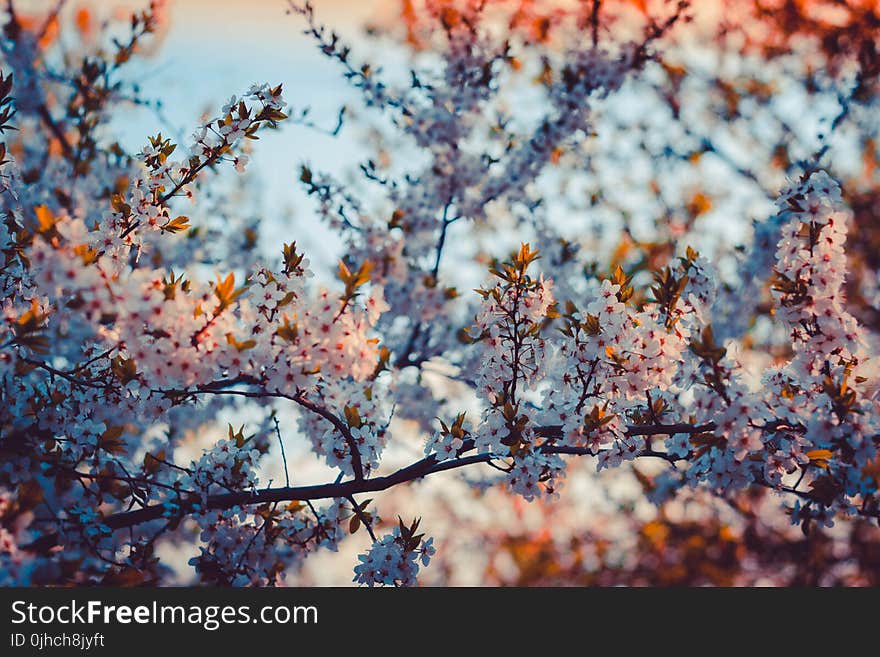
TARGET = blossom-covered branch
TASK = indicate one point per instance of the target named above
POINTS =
(154, 362)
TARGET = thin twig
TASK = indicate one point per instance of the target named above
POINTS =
(283, 455)
(362, 517)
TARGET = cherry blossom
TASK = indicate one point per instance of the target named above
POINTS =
(157, 364)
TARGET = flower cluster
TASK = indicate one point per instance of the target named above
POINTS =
(240, 549)
(613, 355)
(394, 559)
(230, 464)
(810, 274)
(827, 383)
(622, 366)
(160, 178)
(360, 426)
(512, 352)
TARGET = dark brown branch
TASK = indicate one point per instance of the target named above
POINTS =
(594, 22)
(341, 427)
(343, 490)
(347, 489)
(555, 430)
(56, 130)
(217, 388)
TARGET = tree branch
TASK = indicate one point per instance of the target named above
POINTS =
(417, 470)
(57, 132)
(341, 427)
